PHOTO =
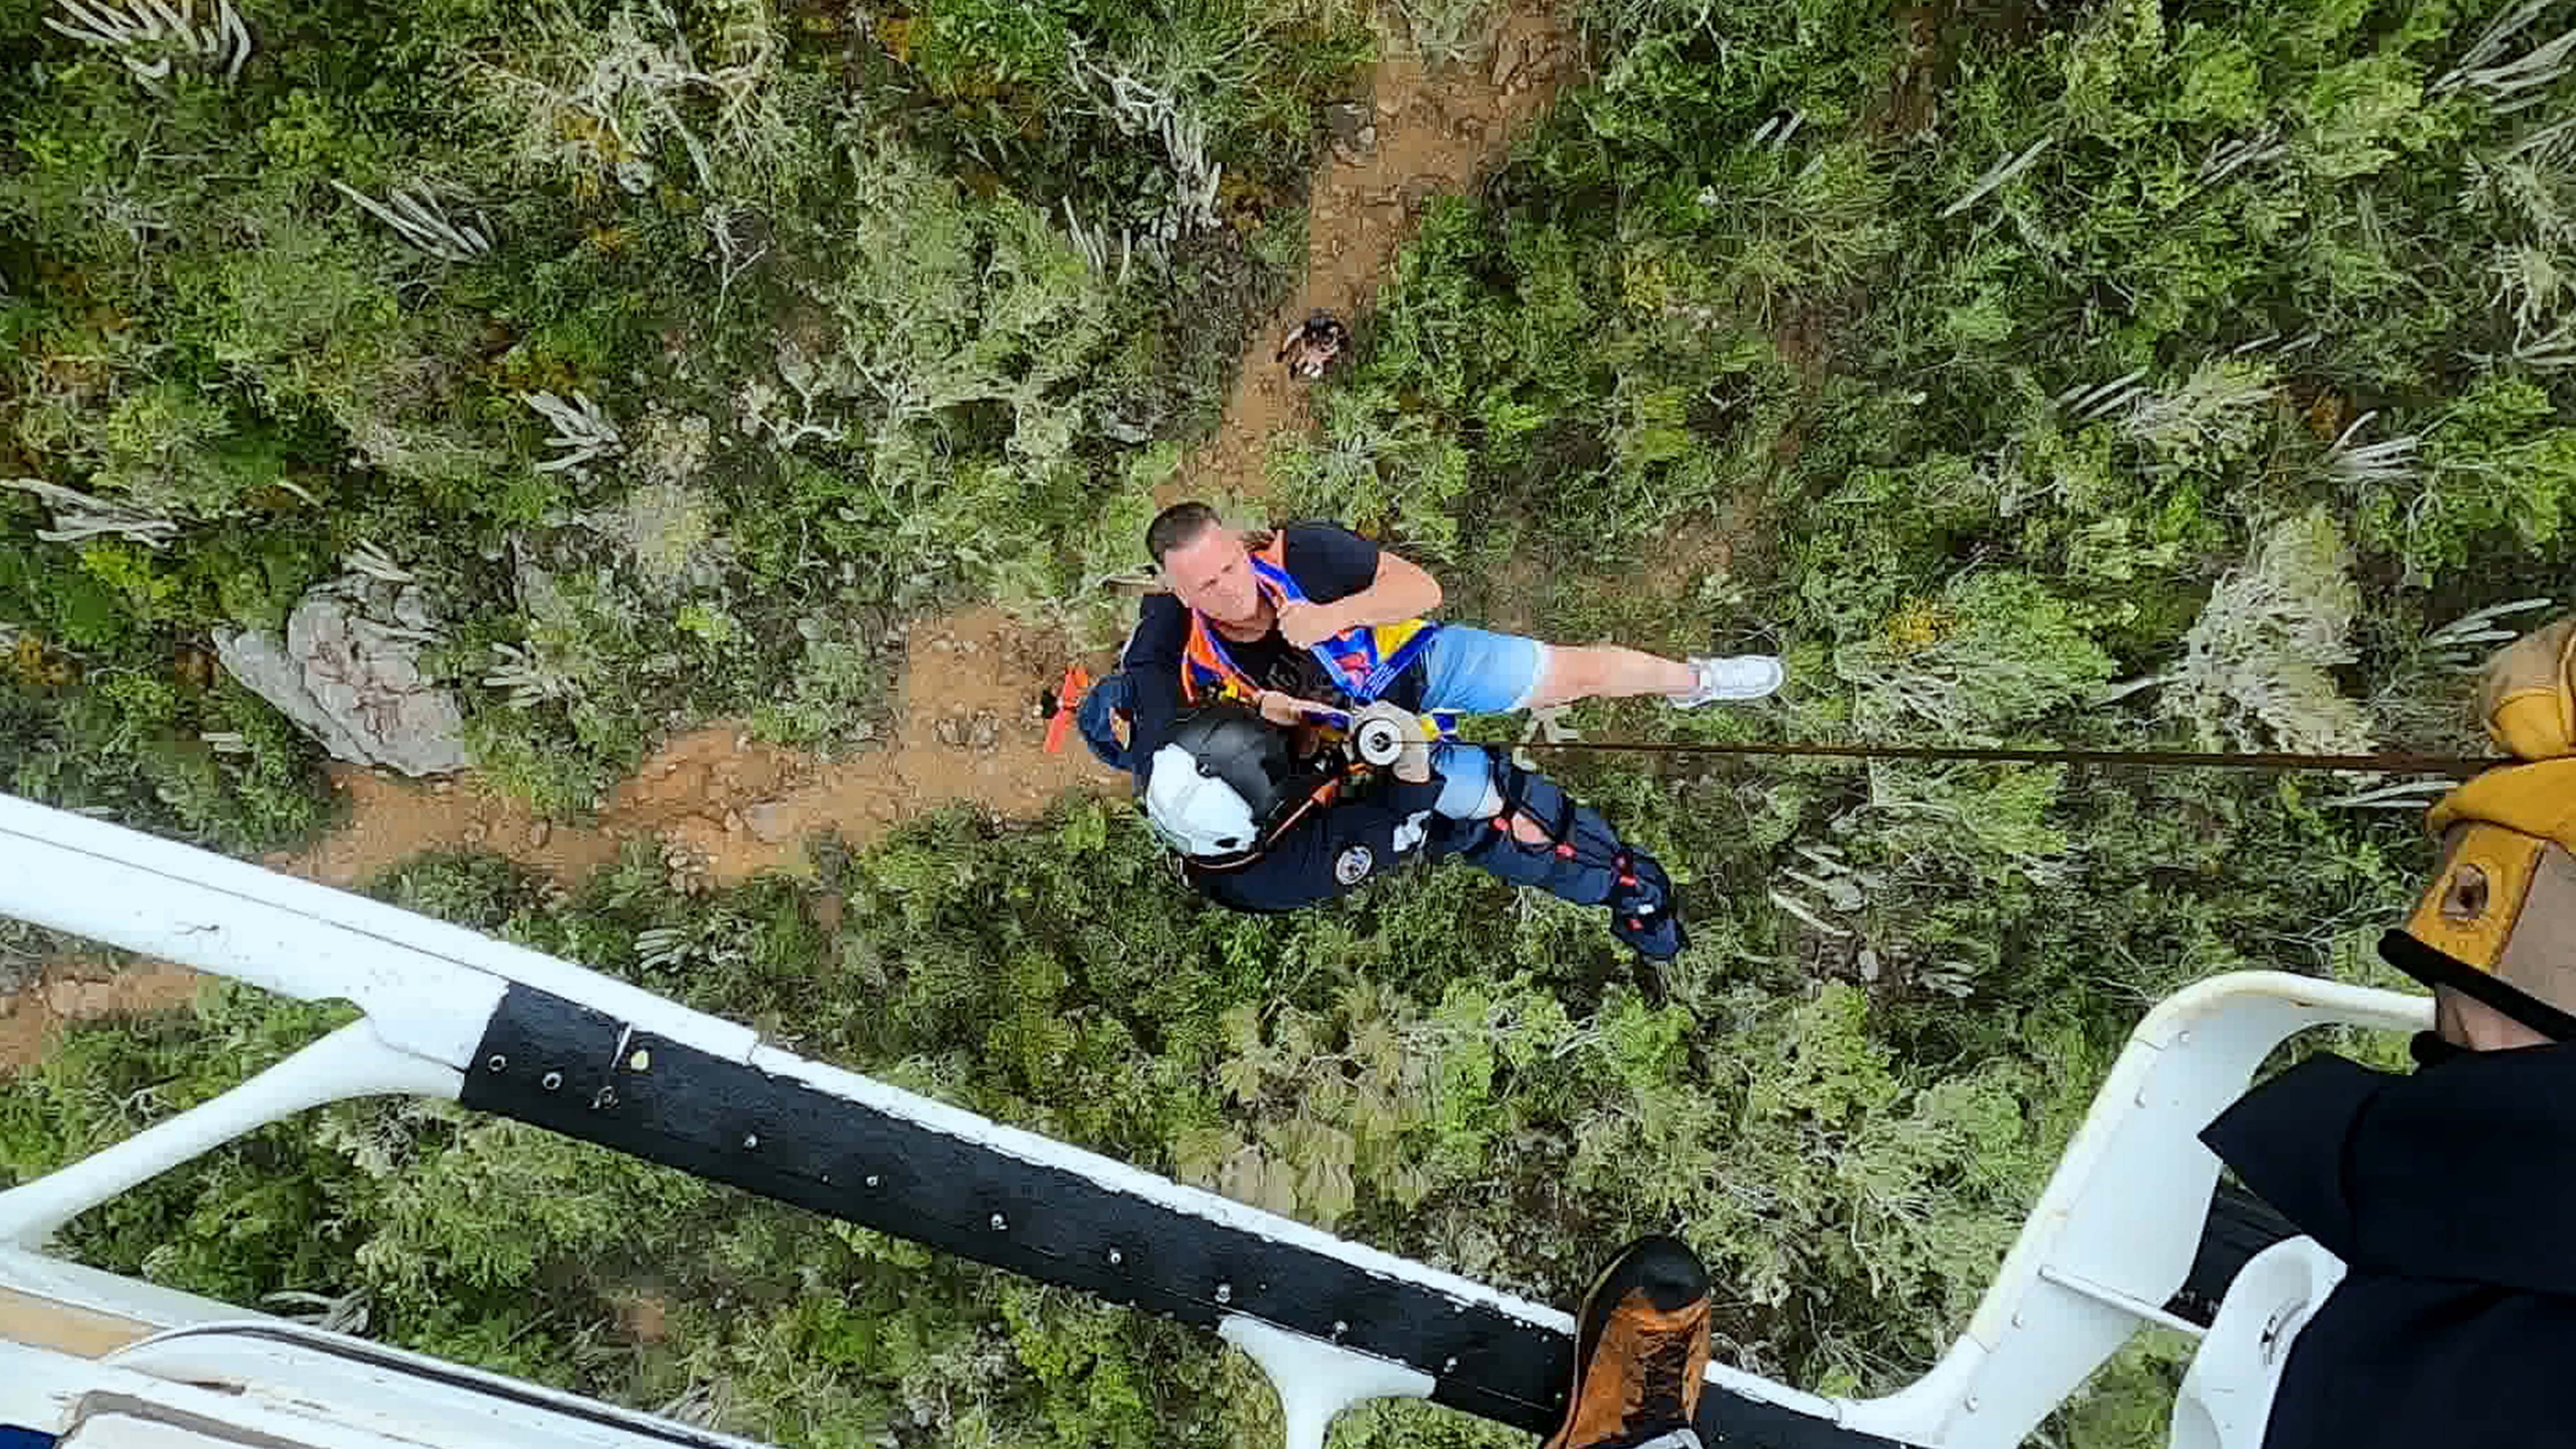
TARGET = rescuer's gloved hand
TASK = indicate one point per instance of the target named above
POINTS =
(1412, 763)
(2499, 922)
(2527, 697)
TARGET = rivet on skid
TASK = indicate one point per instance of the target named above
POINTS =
(872, 1179)
(1116, 1257)
(1000, 1222)
(551, 1080)
(1449, 1366)
(605, 1098)
(1340, 1328)
(1225, 1293)
(640, 1061)
(497, 1062)
(750, 1140)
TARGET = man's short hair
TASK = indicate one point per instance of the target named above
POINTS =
(1177, 526)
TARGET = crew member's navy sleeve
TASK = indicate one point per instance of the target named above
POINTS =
(1373, 834)
(1328, 562)
(1153, 663)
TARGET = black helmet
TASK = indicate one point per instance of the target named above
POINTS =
(1221, 778)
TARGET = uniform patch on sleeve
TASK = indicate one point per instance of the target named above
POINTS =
(1410, 833)
(1354, 865)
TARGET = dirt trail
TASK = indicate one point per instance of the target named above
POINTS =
(725, 807)
(1425, 133)
(722, 807)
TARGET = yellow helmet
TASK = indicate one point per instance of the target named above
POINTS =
(2505, 899)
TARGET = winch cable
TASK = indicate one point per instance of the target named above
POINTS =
(2387, 764)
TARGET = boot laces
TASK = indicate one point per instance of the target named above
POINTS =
(1663, 1377)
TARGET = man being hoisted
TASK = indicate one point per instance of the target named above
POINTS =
(1283, 629)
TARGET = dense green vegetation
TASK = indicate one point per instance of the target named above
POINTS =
(827, 300)
(2104, 374)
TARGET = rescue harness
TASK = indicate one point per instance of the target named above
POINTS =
(1362, 663)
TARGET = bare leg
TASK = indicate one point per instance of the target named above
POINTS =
(1607, 671)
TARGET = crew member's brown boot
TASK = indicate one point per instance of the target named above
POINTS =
(1640, 1352)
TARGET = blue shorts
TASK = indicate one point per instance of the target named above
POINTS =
(1476, 671)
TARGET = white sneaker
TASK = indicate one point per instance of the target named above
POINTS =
(1746, 676)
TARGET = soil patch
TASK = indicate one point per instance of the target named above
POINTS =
(968, 731)
(727, 807)
(79, 990)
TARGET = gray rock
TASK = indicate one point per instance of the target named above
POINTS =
(1344, 122)
(353, 681)
(767, 822)
(986, 732)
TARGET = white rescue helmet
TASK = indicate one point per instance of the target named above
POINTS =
(1216, 785)
(1195, 814)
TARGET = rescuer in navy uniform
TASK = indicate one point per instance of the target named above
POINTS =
(1261, 827)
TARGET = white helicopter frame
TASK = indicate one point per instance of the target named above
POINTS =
(2110, 1243)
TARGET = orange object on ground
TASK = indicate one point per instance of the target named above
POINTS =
(1068, 699)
